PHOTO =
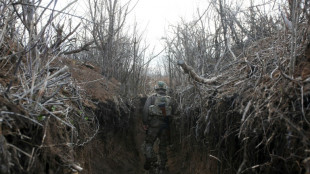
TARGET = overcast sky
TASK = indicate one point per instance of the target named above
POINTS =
(156, 15)
(152, 16)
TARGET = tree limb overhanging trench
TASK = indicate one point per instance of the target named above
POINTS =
(189, 70)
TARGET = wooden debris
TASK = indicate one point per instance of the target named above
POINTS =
(189, 70)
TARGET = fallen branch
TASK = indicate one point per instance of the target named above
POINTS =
(82, 48)
(65, 68)
(20, 150)
(189, 70)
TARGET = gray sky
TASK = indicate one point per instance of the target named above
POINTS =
(156, 15)
(152, 16)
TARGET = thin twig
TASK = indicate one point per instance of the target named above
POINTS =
(302, 105)
(20, 115)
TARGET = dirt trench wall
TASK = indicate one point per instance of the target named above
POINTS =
(201, 144)
(117, 147)
(22, 148)
(211, 141)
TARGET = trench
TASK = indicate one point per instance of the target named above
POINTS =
(117, 148)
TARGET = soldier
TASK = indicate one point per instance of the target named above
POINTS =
(156, 117)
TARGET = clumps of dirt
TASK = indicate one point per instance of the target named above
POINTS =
(91, 82)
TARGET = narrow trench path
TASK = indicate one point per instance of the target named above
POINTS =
(139, 137)
(121, 151)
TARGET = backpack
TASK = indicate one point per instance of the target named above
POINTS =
(160, 101)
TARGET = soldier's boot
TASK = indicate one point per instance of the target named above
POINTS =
(163, 170)
(153, 169)
(150, 158)
(147, 164)
(150, 163)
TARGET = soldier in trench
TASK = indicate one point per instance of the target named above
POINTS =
(157, 113)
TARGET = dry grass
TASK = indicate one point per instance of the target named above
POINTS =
(255, 119)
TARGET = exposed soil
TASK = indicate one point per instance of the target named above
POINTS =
(113, 151)
(117, 146)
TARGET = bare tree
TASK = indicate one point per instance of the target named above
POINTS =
(119, 53)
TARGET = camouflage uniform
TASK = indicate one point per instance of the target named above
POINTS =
(158, 127)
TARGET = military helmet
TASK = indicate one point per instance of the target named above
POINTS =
(161, 86)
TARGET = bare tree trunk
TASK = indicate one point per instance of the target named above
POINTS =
(224, 22)
(134, 67)
(294, 15)
(111, 34)
(170, 71)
